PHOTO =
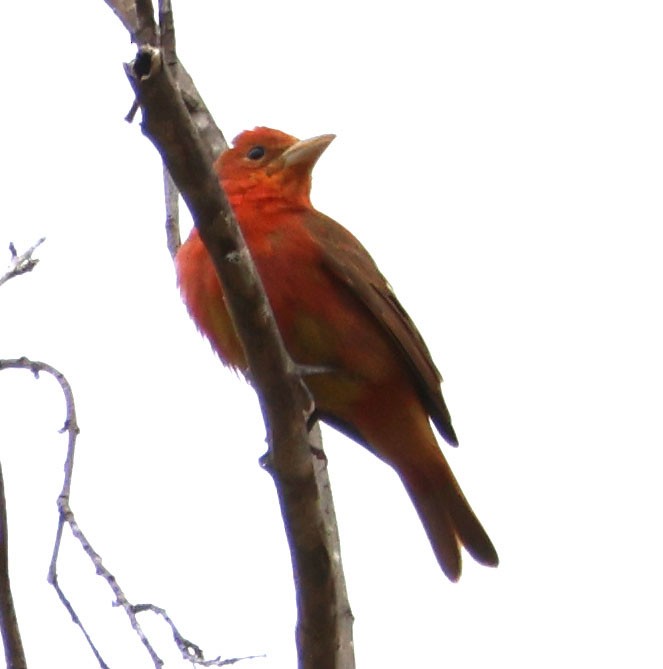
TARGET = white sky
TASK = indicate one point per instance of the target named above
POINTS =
(503, 163)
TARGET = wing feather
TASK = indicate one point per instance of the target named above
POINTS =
(348, 262)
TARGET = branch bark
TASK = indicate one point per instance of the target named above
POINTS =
(324, 637)
(11, 637)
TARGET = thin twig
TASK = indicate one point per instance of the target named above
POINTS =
(72, 430)
(171, 192)
(194, 102)
(172, 198)
(20, 264)
(190, 651)
(167, 31)
(137, 16)
(67, 516)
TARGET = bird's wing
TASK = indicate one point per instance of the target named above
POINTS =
(348, 262)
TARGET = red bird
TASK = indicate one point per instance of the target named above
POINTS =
(337, 312)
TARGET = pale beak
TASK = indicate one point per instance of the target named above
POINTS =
(303, 154)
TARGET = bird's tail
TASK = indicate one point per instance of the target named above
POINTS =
(446, 515)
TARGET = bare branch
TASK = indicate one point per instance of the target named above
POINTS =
(171, 197)
(200, 115)
(137, 16)
(190, 651)
(176, 120)
(171, 194)
(11, 637)
(21, 264)
(71, 427)
(324, 619)
(66, 517)
(167, 30)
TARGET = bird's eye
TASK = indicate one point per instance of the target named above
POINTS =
(256, 153)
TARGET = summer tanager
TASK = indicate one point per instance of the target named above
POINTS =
(375, 379)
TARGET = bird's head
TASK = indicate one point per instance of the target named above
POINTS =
(267, 163)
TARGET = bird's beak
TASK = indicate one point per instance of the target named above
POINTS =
(303, 154)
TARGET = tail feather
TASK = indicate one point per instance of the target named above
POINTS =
(448, 519)
(402, 436)
(470, 531)
(440, 530)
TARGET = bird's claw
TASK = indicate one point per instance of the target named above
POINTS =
(312, 370)
(318, 453)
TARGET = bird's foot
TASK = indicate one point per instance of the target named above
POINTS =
(318, 453)
(312, 370)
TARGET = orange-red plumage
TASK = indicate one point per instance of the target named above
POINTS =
(336, 311)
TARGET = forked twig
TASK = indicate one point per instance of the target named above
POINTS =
(21, 264)
(189, 650)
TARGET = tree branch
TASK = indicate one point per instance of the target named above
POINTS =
(189, 650)
(324, 618)
(11, 637)
(172, 200)
(21, 264)
(71, 427)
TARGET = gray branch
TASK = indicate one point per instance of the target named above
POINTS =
(21, 264)
(179, 127)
